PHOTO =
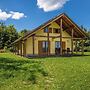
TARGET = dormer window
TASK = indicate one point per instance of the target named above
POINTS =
(56, 30)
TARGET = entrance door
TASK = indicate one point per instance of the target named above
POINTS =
(43, 47)
(57, 47)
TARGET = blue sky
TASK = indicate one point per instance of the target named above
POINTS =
(26, 14)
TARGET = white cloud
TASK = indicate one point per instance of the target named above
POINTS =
(17, 15)
(12, 15)
(4, 15)
(50, 5)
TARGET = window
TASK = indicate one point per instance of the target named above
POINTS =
(45, 46)
(57, 44)
(46, 30)
(56, 30)
(50, 30)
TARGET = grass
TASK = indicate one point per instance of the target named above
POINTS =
(17, 73)
(56, 73)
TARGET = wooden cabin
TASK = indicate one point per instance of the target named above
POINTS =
(58, 36)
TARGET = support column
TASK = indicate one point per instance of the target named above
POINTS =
(72, 43)
(48, 51)
(76, 46)
(21, 48)
(61, 37)
(24, 47)
(18, 48)
(15, 49)
(33, 38)
(82, 47)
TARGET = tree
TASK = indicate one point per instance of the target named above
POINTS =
(87, 43)
(23, 32)
(11, 34)
(2, 30)
(83, 28)
(8, 34)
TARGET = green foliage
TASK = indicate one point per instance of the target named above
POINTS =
(83, 28)
(23, 32)
(87, 43)
(89, 34)
(32, 78)
(8, 34)
(44, 73)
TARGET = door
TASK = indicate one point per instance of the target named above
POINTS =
(43, 47)
(57, 47)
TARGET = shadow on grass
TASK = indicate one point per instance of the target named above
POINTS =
(57, 56)
(24, 69)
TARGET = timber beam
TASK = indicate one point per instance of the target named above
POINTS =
(62, 37)
(72, 42)
(61, 29)
(33, 42)
(48, 51)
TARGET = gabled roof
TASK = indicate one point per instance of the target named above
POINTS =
(64, 16)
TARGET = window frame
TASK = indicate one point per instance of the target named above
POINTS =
(54, 30)
(48, 29)
(57, 44)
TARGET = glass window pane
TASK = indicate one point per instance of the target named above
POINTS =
(57, 44)
(45, 46)
(46, 30)
(56, 30)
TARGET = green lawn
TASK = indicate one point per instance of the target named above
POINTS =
(56, 73)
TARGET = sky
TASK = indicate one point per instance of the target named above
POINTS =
(29, 14)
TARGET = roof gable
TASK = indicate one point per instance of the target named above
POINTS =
(69, 23)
